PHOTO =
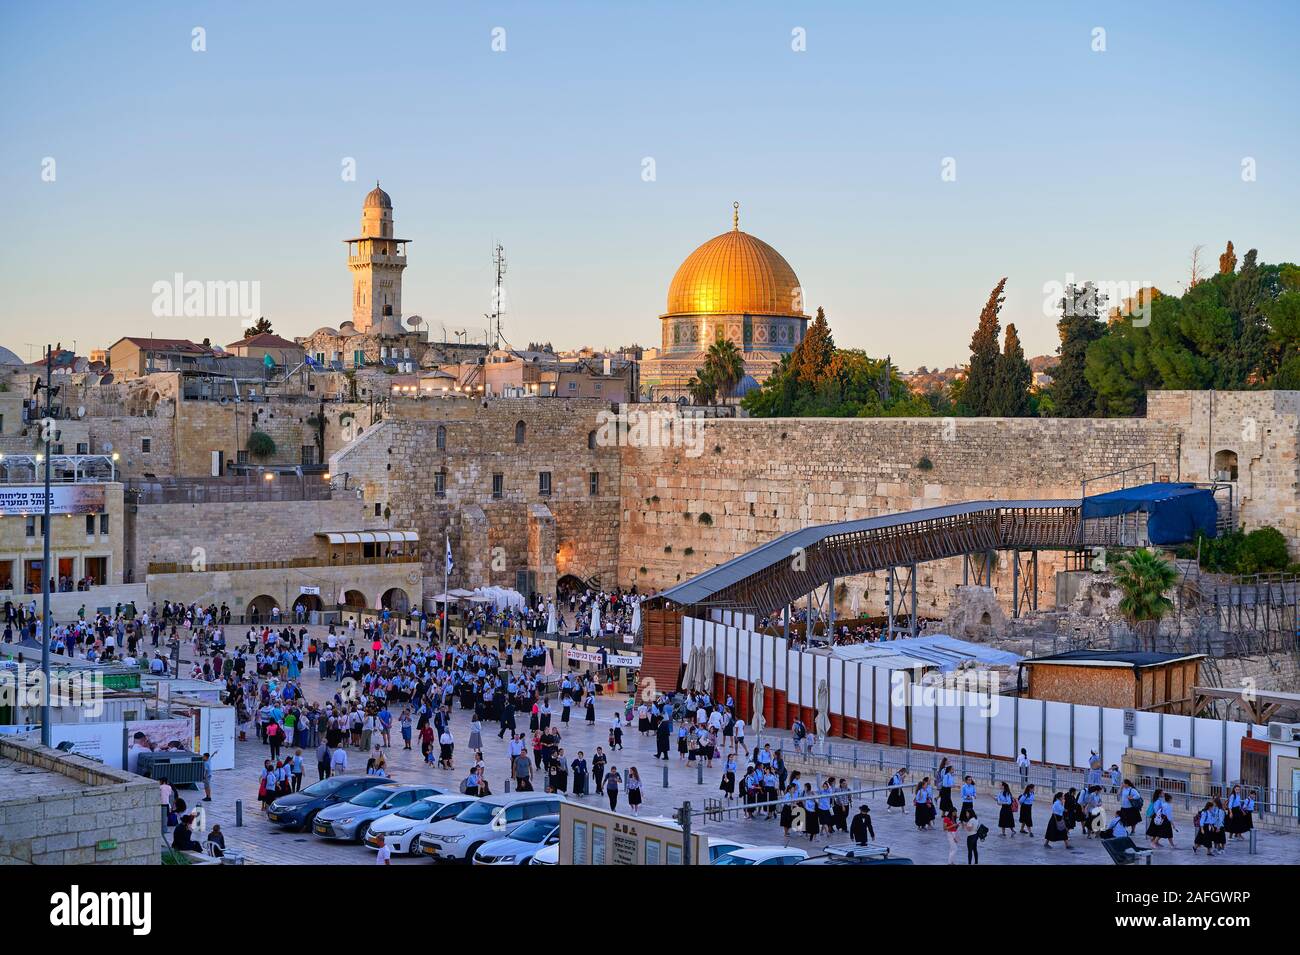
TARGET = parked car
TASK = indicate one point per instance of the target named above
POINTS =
(763, 855)
(402, 829)
(853, 854)
(718, 847)
(492, 817)
(351, 819)
(522, 844)
(547, 855)
(297, 810)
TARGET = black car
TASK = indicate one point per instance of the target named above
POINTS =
(296, 810)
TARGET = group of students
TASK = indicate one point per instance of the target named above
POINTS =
(932, 797)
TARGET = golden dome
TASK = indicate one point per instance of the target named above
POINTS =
(732, 274)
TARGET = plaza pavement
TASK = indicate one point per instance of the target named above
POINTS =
(264, 843)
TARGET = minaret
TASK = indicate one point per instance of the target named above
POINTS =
(377, 259)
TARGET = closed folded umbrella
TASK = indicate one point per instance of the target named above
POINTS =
(823, 709)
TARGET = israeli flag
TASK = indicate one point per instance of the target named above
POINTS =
(451, 564)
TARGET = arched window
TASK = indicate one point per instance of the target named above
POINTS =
(591, 441)
(442, 438)
(521, 431)
(1225, 465)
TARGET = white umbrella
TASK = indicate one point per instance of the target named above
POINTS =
(692, 668)
(853, 603)
(758, 721)
(552, 625)
(636, 617)
(595, 618)
(707, 671)
(823, 721)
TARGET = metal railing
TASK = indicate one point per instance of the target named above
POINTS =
(187, 567)
(251, 488)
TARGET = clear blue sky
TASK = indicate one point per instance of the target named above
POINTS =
(225, 164)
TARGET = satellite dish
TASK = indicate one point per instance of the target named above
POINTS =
(81, 411)
(415, 321)
(108, 447)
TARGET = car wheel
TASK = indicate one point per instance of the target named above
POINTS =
(414, 848)
(307, 820)
(471, 852)
(362, 830)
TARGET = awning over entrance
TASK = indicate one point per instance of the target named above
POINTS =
(369, 537)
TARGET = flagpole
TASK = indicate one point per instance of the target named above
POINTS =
(446, 572)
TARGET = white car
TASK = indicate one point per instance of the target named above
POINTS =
(718, 847)
(763, 855)
(492, 817)
(547, 855)
(402, 829)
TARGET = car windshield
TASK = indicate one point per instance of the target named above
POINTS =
(325, 786)
(535, 830)
(478, 813)
(371, 797)
(419, 810)
(734, 860)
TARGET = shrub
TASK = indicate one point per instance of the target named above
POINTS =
(925, 464)
(688, 551)
(706, 519)
(260, 445)
(1263, 549)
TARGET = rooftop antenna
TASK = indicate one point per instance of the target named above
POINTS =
(499, 263)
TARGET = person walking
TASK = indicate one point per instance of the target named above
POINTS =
(896, 799)
(1058, 830)
(1006, 811)
(1161, 823)
(611, 788)
(861, 830)
(634, 790)
(950, 831)
(1027, 810)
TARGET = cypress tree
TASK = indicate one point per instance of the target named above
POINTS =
(977, 394)
(1013, 377)
(1072, 395)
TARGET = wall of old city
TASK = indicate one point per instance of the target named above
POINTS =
(757, 479)
(1259, 430)
(396, 466)
(241, 532)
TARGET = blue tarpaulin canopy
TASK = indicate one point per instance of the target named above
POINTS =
(1175, 512)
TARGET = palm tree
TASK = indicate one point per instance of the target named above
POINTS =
(1144, 576)
(702, 388)
(725, 366)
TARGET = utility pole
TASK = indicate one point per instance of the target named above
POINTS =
(684, 820)
(47, 426)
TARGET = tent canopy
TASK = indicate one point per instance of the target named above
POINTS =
(369, 537)
(1175, 512)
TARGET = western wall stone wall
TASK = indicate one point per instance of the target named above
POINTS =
(241, 532)
(757, 479)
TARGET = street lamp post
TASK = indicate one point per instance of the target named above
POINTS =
(47, 425)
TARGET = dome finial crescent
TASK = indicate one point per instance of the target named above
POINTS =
(735, 216)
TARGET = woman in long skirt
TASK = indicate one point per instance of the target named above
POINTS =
(1027, 810)
(1058, 830)
(811, 826)
(1160, 826)
(924, 802)
(1204, 830)
(634, 790)
(728, 784)
(475, 734)
(1006, 818)
(896, 798)
(787, 811)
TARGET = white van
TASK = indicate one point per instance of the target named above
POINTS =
(489, 818)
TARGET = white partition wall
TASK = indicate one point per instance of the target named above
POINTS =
(882, 704)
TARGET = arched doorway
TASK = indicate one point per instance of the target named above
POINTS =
(354, 599)
(310, 603)
(396, 600)
(259, 608)
(571, 583)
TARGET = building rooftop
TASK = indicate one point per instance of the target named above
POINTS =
(1111, 658)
